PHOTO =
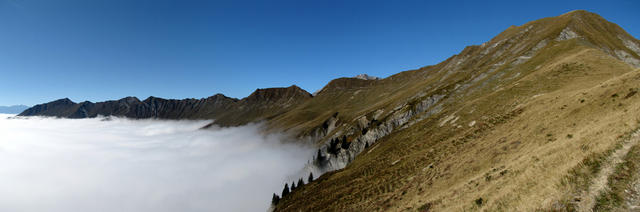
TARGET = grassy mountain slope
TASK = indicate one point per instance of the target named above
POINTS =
(524, 122)
(504, 53)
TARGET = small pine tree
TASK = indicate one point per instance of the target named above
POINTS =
(285, 191)
(310, 177)
(333, 146)
(293, 185)
(300, 183)
(275, 199)
(319, 155)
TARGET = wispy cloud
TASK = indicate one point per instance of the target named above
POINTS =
(140, 165)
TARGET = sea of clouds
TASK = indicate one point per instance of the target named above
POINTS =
(117, 164)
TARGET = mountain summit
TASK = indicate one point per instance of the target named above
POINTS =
(537, 118)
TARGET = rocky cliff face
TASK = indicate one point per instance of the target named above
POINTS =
(343, 147)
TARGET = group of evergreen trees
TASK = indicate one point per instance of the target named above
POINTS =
(286, 191)
(333, 147)
(338, 143)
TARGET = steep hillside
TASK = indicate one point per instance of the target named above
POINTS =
(519, 123)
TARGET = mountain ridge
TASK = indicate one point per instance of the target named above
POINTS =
(225, 110)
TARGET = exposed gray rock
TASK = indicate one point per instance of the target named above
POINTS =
(336, 154)
(488, 49)
(366, 77)
(633, 46)
(566, 34)
(627, 58)
(532, 52)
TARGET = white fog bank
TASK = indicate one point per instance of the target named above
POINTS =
(69, 165)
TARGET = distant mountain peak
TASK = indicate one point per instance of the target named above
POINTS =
(278, 94)
(129, 99)
(63, 101)
(366, 77)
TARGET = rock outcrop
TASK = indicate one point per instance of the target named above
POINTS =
(366, 77)
(344, 146)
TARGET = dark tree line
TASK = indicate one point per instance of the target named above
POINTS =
(286, 190)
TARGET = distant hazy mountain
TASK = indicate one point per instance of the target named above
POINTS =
(15, 109)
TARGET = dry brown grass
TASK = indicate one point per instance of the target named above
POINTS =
(532, 131)
(513, 162)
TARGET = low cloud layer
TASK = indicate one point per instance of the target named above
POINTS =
(67, 165)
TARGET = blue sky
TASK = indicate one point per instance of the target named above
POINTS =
(108, 49)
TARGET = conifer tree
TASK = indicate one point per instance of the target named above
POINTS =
(310, 177)
(319, 156)
(300, 182)
(275, 199)
(293, 185)
(285, 191)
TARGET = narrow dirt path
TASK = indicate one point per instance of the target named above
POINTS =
(633, 198)
(601, 180)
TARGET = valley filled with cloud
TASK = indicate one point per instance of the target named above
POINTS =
(117, 164)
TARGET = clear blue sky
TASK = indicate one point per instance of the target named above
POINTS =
(107, 49)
